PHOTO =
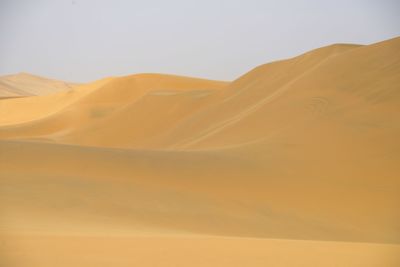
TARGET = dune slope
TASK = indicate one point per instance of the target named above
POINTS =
(295, 163)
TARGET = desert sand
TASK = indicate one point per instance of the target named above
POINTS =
(25, 84)
(295, 163)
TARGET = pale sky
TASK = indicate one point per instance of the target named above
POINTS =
(84, 40)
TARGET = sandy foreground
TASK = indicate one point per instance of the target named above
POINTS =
(295, 163)
(44, 250)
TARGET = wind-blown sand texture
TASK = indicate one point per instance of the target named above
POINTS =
(24, 84)
(296, 163)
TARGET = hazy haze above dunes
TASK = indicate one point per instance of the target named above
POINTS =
(85, 40)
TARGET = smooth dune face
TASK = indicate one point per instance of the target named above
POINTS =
(24, 84)
(295, 163)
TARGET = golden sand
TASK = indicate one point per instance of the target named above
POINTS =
(25, 84)
(295, 163)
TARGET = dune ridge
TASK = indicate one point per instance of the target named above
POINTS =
(294, 163)
(25, 84)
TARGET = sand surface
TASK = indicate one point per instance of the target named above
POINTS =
(25, 84)
(295, 163)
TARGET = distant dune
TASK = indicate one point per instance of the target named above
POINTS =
(296, 163)
(24, 84)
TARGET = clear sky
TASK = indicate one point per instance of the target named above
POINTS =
(84, 40)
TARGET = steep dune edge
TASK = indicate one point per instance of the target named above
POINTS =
(360, 81)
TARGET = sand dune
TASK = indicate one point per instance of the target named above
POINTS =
(25, 84)
(295, 163)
